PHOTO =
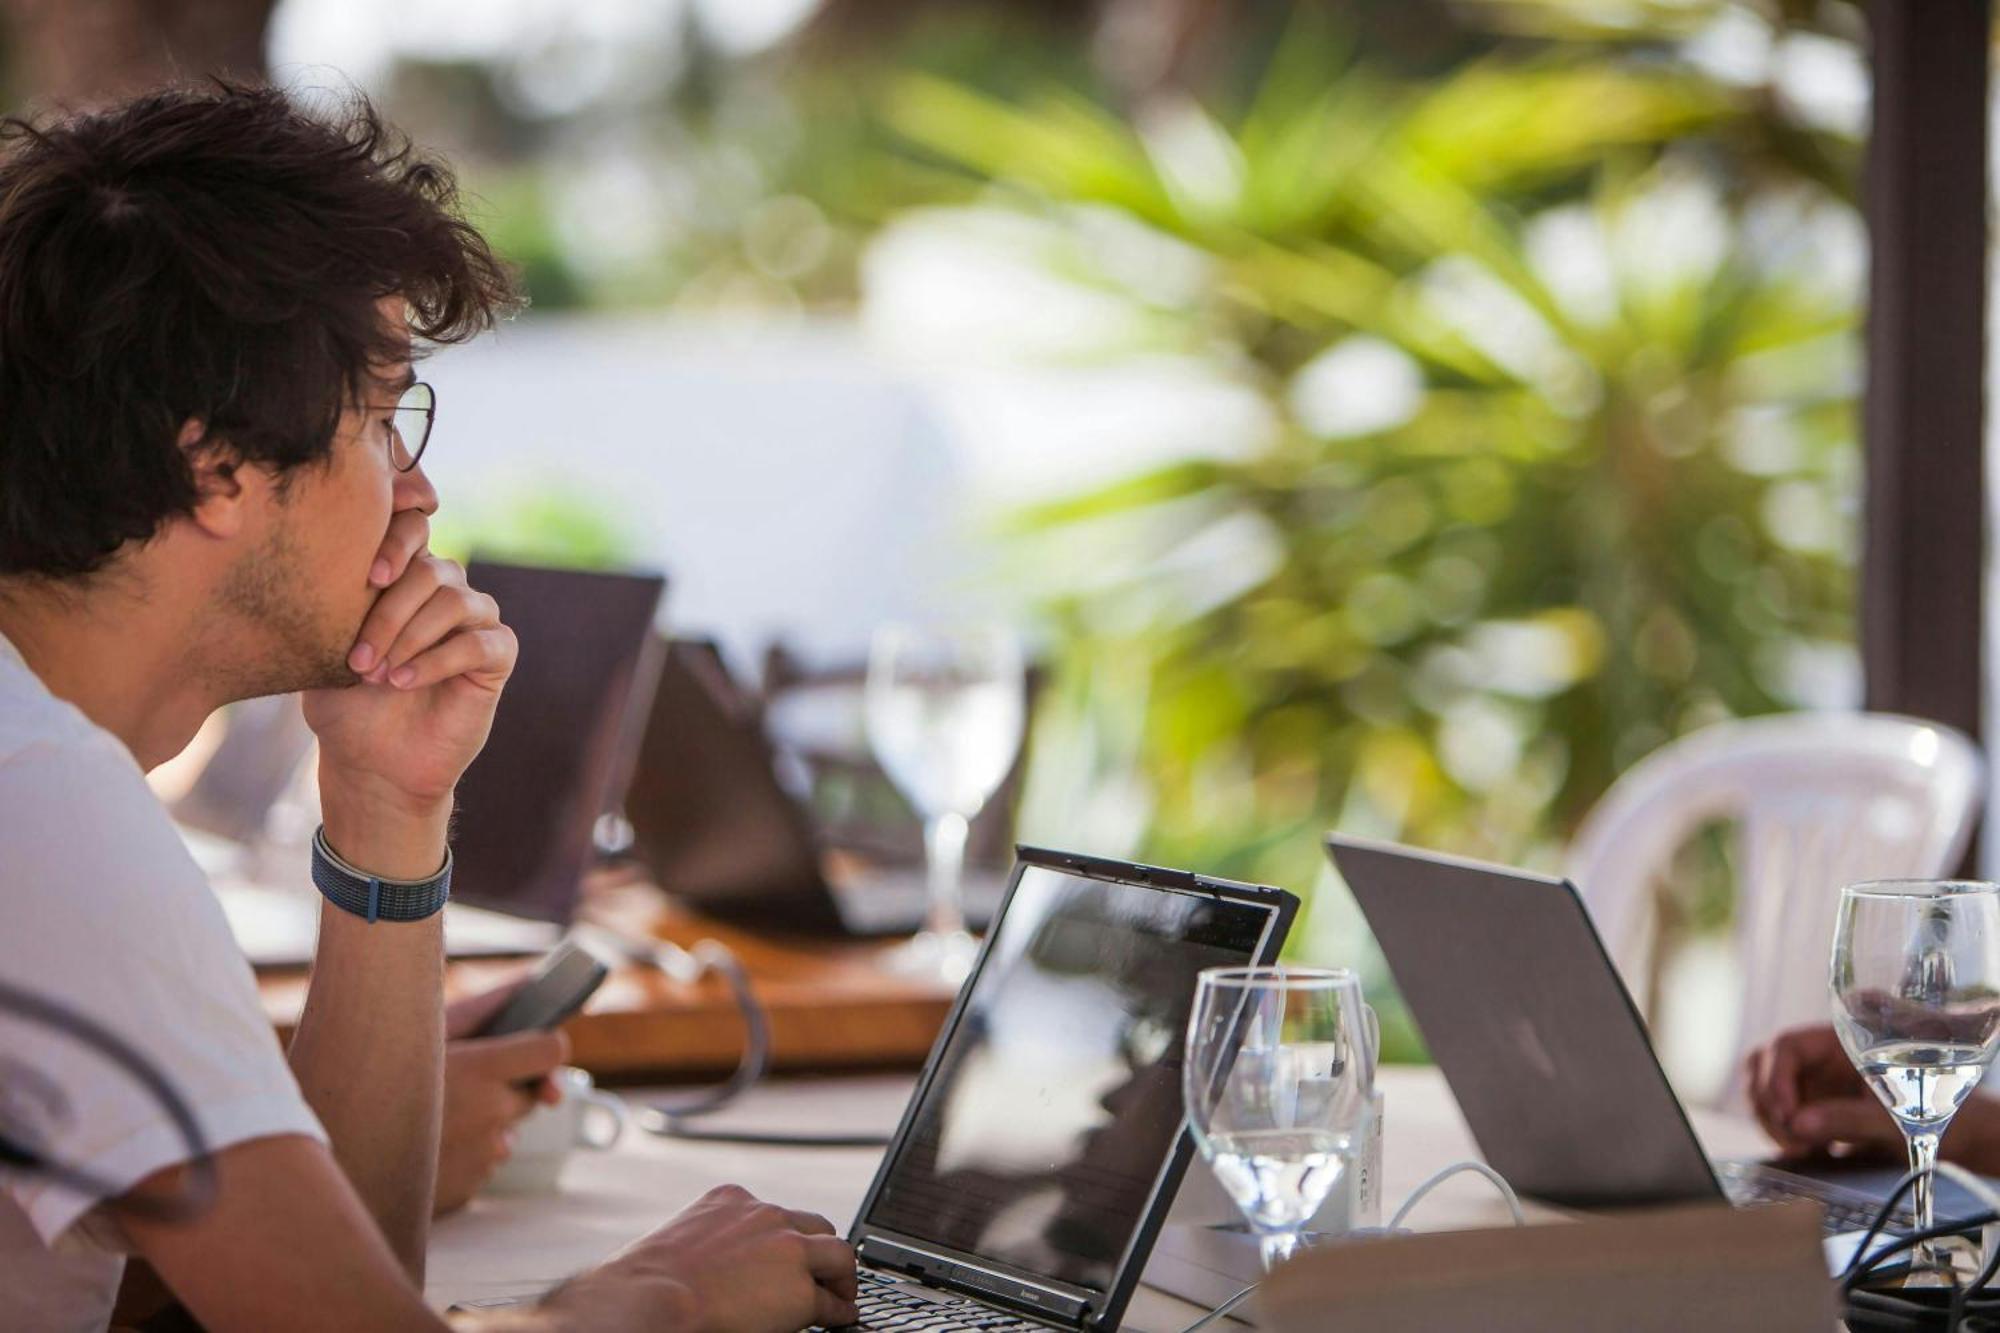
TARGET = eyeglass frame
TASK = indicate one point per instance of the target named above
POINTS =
(396, 431)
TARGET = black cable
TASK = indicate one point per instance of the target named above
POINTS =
(1964, 1307)
(1964, 1295)
(14, 1156)
(672, 1120)
(1882, 1216)
(1956, 1227)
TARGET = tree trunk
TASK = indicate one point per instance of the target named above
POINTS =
(77, 53)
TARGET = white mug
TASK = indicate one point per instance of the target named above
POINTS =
(585, 1117)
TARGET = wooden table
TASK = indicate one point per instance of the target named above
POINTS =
(503, 1246)
(832, 1003)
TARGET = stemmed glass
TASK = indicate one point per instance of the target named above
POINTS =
(945, 713)
(1280, 1070)
(1916, 1001)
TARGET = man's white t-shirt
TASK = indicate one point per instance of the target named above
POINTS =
(103, 911)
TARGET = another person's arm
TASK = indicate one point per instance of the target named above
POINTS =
(490, 1083)
(1808, 1097)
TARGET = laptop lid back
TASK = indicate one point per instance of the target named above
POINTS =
(1530, 1024)
(1046, 1137)
(709, 817)
(562, 739)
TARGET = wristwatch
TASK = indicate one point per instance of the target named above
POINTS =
(372, 897)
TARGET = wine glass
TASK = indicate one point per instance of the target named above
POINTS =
(1916, 1000)
(945, 712)
(1279, 1073)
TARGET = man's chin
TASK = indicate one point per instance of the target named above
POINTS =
(321, 673)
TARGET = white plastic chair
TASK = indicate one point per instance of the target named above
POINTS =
(1819, 800)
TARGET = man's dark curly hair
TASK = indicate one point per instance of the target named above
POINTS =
(212, 254)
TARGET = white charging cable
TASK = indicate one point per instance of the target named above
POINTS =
(1395, 1227)
(1458, 1168)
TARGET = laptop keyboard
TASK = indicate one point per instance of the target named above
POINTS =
(1748, 1185)
(909, 1307)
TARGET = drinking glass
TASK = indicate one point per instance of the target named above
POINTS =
(1279, 1073)
(945, 712)
(1916, 1000)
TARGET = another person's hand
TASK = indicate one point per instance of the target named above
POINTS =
(1808, 1097)
(728, 1264)
(490, 1083)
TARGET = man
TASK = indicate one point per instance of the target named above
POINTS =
(210, 490)
(1808, 1097)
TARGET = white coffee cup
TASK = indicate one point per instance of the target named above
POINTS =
(586, 1117)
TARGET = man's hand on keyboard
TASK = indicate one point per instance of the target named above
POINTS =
(728, 1264)
(1808, 1096)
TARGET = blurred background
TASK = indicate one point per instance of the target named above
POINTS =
(1394, 414)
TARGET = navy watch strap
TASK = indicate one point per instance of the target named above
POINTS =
(370, 896)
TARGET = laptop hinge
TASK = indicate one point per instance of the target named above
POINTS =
(1012, 1292)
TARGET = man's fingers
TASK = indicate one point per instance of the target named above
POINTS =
(409, 532)
(450, 608)
(831, 1311)
(1858, 1120)
(519, 1056)
(830, 1260)
(486, 655)
(810, 1224)
(392, 610)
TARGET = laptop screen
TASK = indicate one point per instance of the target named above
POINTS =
(1056, 1100)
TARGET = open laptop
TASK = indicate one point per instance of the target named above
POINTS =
(1045, 1140)
(1546, 1053)
(718, 829)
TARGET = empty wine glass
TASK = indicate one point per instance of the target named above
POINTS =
(945, 713)
(1279, 1073)
(1916, 1000)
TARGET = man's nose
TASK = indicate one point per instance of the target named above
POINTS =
(414, 491)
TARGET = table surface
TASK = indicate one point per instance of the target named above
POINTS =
(832, 1004)
(513, 1245)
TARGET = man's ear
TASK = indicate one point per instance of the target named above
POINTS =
(221, 505)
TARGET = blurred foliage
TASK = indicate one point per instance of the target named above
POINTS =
(1550, 307)
(1559, 356)
(539, 524)
(737, 185)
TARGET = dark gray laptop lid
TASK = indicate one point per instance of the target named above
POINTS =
(562, 739)
(1045, 1139)
(1530, 1024)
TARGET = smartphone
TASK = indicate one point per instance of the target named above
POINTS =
(567, 976)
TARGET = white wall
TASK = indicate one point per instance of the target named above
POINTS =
(786, 483)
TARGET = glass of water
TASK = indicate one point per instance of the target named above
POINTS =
(1916, 1001)
(945, 713)
(1279, 1073)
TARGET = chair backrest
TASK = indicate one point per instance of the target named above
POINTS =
(1818, 800)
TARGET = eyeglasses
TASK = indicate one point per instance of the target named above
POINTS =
(411, 418)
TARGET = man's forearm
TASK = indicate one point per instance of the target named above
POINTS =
(369, 1051)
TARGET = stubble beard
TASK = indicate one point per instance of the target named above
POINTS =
(277, 598)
